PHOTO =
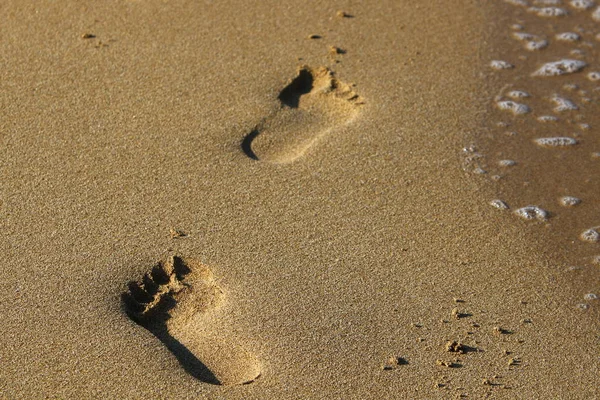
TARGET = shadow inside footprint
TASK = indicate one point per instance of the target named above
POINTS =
(301, 85)
(170, 301)
(311, 105)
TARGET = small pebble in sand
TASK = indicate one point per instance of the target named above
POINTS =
(455, 347)
(314, 36)
(177, 233)
(333, 50)
(448, 364)
(393, 363)
(590, 296)
(501, 331)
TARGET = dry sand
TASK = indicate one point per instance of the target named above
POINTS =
(356, 260)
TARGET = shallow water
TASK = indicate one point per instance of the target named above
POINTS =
(540, 148)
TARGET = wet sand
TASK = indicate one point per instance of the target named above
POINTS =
(362, 261)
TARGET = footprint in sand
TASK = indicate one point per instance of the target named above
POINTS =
(311, 105)
(175, 301)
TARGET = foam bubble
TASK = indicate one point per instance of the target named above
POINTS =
(507, 163)
(514, 107)
(596, 17)
(522, 36)
(584, 126)
(499, 204)
(594, 76)
(517, 27)
(570, 86)
(517, 94)
(517, 2)
(548, 2)
(563, 104)
(560, 67)
(577, 52)
(569, 201)
(583, 306)
(499, 64)
(534, 45)
(555, 141)
(548, 11)
(531, 213)
(590, 235)
(581, 4)
(568, 37)
(596, 259)
(590, 296)
(547, 118)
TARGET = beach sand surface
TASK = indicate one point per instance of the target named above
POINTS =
(142, 137)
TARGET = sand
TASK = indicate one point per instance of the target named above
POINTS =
(358, 259)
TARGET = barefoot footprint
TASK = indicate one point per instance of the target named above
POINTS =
(313, 104)
(175, 301)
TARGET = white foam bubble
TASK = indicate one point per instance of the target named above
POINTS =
(596, 17)
(590, 296)
(555, 141)
(563, 104)
(548, 2)
(581, 4)
(577, 52)
(561, 67)
(584, 126)
(531, 213)
(517, 2)
(499, 204)
(583, 306)
(507, 163)
(535, 45)
(548, 11)
(569, 201)
(517, 94)
(568, 37)
(499, 64)
(547, 118)
(522, 36)
(590, 235)
(594, 76)
(514, 107)
(517, 27)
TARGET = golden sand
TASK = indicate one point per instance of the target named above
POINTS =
(332, 249)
